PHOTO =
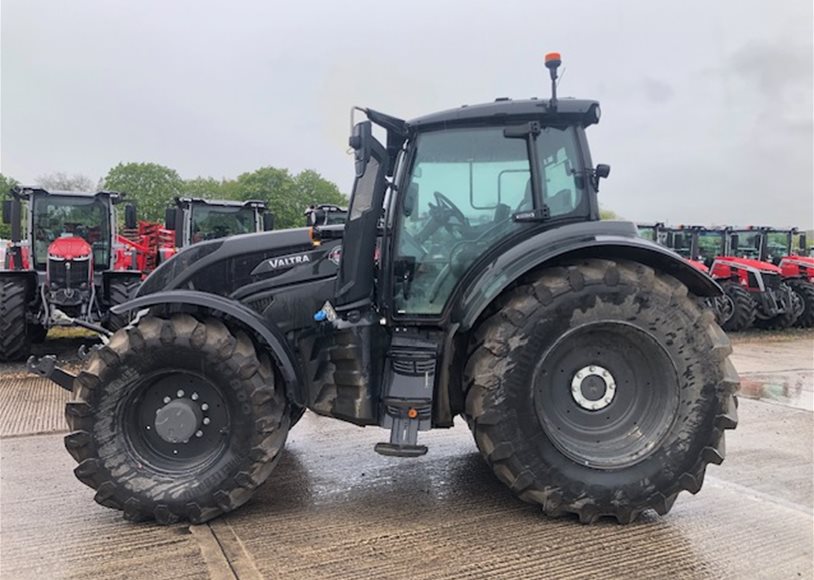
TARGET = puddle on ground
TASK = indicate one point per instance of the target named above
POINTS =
(791, 388)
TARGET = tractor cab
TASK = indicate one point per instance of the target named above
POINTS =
(655, 232)
(698, 244)
(325, 214)
(195, 219)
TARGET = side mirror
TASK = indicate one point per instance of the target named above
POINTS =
(130, 220)
(169, 217)
(6, 211)
(268, 221)
(601, 172)
(359, 141)
(802, 243)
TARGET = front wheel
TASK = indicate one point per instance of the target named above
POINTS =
(804, 290)
(600, 389)
(176, 419)
(741, 315)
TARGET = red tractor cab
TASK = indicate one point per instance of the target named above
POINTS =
(746, 262)
(796, 268)
(63, 270)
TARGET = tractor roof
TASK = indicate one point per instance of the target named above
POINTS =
(25, 192)
(584, 112)
(222, 202)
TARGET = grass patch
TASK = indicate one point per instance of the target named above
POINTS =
(58, 332)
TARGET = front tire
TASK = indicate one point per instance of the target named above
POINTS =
(176, 419)
(600, 389)
(15, 338)
(744, 308)
(805, 291)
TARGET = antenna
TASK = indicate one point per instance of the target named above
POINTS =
(552, 63)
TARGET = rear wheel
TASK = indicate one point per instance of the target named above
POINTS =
(600, 389)
(15, 339)
(805, 292)
(176, 419)
(743, 311)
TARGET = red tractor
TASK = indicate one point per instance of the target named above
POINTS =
(797, 270)
(776, 305)
(70, 268)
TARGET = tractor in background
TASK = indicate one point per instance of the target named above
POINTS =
(195, 219)
(757, 293)
(69, 267)
(778, 247)
(325, 214)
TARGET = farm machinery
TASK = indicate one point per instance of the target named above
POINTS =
(196, 219)
(777, 246)
(755, 292)
(70, 266)
(472, 277)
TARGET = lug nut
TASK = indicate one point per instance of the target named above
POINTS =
(194, 396)
(166, 400)
(180, 393)
(206, 420)
(204, 407)
(198, 433)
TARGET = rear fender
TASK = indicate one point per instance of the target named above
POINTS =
(579, 241)
(268, 335)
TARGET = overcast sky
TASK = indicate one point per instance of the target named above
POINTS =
(707, 105)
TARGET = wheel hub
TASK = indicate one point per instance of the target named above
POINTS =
(178, 420)
(593, 387)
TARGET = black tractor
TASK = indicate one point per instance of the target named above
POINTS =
(473, 277)
(196, 219)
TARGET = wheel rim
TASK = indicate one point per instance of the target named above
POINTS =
(606, 394)
(177, 421)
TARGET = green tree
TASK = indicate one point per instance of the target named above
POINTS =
(287, 195)
(61, 181)
(6, 183)
(210, 188)
(149, 185)
(606, 214)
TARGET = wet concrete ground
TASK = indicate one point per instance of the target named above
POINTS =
(335, 509)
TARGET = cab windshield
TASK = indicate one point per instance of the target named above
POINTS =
(748, 245)
(777, 246)
(84, 216)
(213, 222)
(710, 246)
(463, 189)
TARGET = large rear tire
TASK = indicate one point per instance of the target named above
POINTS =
(600, 389)
(805, 291)
(15, 340)
(744, 308)
(176, 419)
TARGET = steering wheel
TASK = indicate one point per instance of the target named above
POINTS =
(447, 210)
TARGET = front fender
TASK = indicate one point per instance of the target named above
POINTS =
(607, 240)
(268, 333)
